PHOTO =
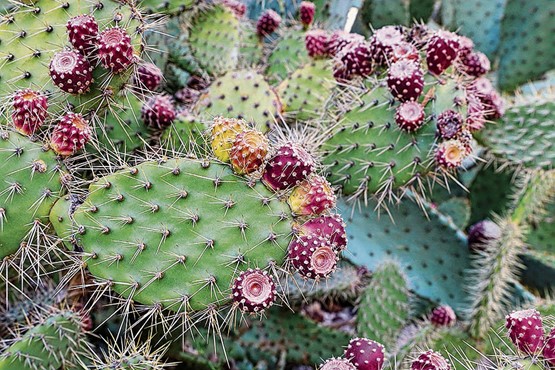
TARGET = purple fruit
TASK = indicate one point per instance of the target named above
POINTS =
(443, 316)
(337, 364)
(494, 106)
(29, 110)
(268, 22)
(442, 51)
(430, 360)
(307, 10)
(549, 348)
(313, 257)
(481, 233)
(316, 42)
(405, 80)
(71, 72)
(115, 50)
(149, 76)
(340, 40)
(83, 33)
(475, 64)
(288, 167)
(158, 112)
(253, 290)
(70, 134)
(525, 330)
(450, 154)
(475, 119)
(331, 228)
(365, 354)
(409, 116)
(353, 60)
(312, 196)
(382, 43)
(449, 124)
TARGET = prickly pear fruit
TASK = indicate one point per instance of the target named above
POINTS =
(248, 152)
(430, 360)
(83, 33)
(409, 116)
(442, 51)
(443, 316)
(549, 348)
(316, 43)
(383, 41)
(149, 76)
(449, 124)
(29, 110)
(525, 330)
(115, 50)
(224, 131)
(70, 134)
(288, 167)
(312, 196)
(405, 80)
(450, 154)
(365, 354)
(158, 112)
(307, 10)
(330, 227)
(254, 290)
(71, 72)
(312, 256)
(337, 364)
(268, 22)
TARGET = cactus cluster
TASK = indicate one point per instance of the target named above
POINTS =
(245, 184)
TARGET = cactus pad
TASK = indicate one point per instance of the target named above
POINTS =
(288, 54)
(177, 233)
(244, 94)
(184, 135)
(31, 183)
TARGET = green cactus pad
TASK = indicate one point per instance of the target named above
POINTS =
(167, 6)
(386, 12)
(304, 94)
(51, 343)
(479, 20)
(490, 192)
(384, 305)
(457, 209)
(541, 236)
(368, 153)
(288, 54)
(527, 39)
(215, 39)
(433, 253)
(303, 341)
(178, 232)
(44, 33)
(251, 49)
(184, 135)
(31, 183)
(526, 134)
(243, 94)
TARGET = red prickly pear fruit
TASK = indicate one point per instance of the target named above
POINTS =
(450, 154)
(466, 46)
(340, 40)
(307, 10)
(187, 96)
(525, 330)
(354, 60)
(409, 116)
(465, 137)
(443, 316)
(83, 33)
(337, 364)
(70, 134)
(237, 7)
(404, 50)
(71, 72)
(29, 110)
(481, 233)
(312, 196)
(449, 124)
(268, 22)
(430, 360)
(331, 228)
(382, 43)
(158, 112)
(475, 64)
(223, 133)
(316, 43)
(149, 76)
(288, 167)
(115, 50)
(442, 51)
(475, 119)
(248, 152)
(365, 354)
(494, 106)
(253, 290)
(313, 257)
(405, 80)
(549, 348)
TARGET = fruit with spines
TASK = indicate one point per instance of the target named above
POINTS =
(149, 76)
(365, 354)
(443, 316)
(337, 364)
(71, 134)
(83, 33)
(352, 61)
(549, 348)
(430, 360)
(450, 154)
(475, 64)
(441, 51)
(267, 23)
(30, 109)
(290, 165)
(449, 124)
(312, 196)
(223, 134)
(158, 112)
(307, 10)
(115, 49)
(71, 72)
(409, 116)
(312, 256)
(482, 233)
(382, 42)
(253, 290)
(316, 43)
(248, 152)
(404, 50)
(340, 40)
(405, 80)
(329, 227)
(525, 329)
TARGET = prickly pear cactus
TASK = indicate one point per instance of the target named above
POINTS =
(288, 54)
(29, 54)
(52, 342)
(167, 7)
(185, 135)
(244, 94)
(179, 231)
(32, 182)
